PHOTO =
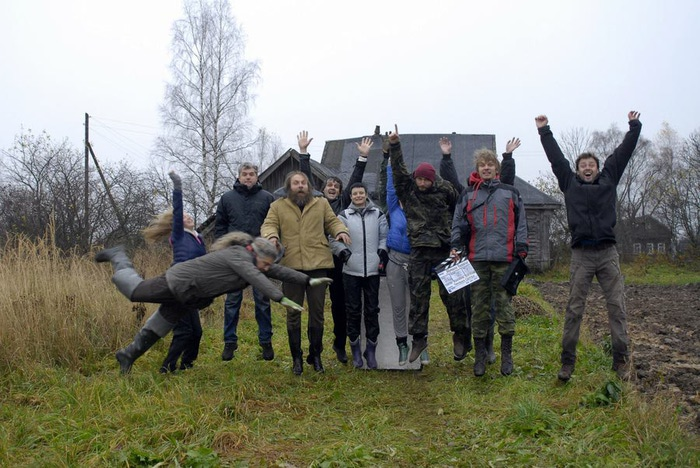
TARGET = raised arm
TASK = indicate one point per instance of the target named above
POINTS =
(508, 163)
(616, 163)
(402, 179)
(359, 171)
(178, 210)
(560, 165)
(447, 165)
(304, 141)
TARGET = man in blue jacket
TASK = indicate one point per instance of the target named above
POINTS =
(590, 195)
(244, 209)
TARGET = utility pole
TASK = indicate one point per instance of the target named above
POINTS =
(86, 221)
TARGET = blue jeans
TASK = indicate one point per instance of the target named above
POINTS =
(263, 315)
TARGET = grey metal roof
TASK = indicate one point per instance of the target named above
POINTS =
(340, 156)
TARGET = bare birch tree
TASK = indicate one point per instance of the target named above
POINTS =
(205, 113)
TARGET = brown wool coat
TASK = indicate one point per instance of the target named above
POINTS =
(304, 234)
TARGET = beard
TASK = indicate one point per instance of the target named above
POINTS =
(301, 198)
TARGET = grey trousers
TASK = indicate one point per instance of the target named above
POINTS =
(397, 282)
(604, 264)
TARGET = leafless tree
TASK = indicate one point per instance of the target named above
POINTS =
(266, 148)
(205, 113)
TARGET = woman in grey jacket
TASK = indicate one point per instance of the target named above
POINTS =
(368, 229)
(236, 260)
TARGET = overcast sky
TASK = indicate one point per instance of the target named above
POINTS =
(337, 69)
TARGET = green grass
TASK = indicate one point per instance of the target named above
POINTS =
(248, 412)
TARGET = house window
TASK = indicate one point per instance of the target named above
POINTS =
(637, 248)
(661, 247)
(650, 248)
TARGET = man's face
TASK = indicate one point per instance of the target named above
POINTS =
(332, 189)
(248, 177)
(359, 196)
(299, 186)
(263, 264)
(587, 169)
(423, 183)
(487, 170)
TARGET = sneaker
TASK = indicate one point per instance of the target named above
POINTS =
(565, 372)
(229, 350)
(268, 353)
(424, 358)
(403, 353)
(417, 347)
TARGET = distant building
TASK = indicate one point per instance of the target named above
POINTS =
(339, 157)
(643, 235)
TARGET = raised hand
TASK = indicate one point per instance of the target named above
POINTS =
(633, 115)
(445, 145)
(541, 121)
(394, 136)
(177, 180)
(304, 141)
(512, 145)
(364, 146)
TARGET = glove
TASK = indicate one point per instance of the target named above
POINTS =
(319, 281)
(344, 255)
(177, 180)
(383, 257)
(291, 304)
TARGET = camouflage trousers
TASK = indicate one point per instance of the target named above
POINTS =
(420, 273)
(488, 292)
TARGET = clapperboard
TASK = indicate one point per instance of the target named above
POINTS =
(456, 275)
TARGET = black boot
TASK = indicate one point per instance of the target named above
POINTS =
(490, 354)
(506, 354)
(356, 349)
(370, 354)
(116, 255)
(294, 336)
(339, 348)
(315, 349)
(480, 357)
(143, 341)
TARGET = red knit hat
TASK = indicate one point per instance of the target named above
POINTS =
(425, 170)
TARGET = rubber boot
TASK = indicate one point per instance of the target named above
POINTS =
(155, 328)
(126, 280)
(490, 354)
(480, 357)
(315, 349)
(506, 354)
(294, 336)
(356, 349)
(116, 255)
(370, 354)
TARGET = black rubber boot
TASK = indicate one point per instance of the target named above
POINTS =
(370, 354)
(143, 341)
(315, 349)
(294, 335)
(490, 354)
(506, 354)
(480, 356)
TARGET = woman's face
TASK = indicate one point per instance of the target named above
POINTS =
(188, 221)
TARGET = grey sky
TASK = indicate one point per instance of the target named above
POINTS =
(337, 69)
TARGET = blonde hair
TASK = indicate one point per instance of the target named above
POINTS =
(160, 227)
(484, 155)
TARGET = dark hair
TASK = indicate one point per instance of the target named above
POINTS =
(334, 179)
(588, 156)
(359, 185)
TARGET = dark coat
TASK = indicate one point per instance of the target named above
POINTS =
(242, 209)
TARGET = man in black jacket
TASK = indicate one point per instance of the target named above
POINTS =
(590, 195)
(244, 209)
